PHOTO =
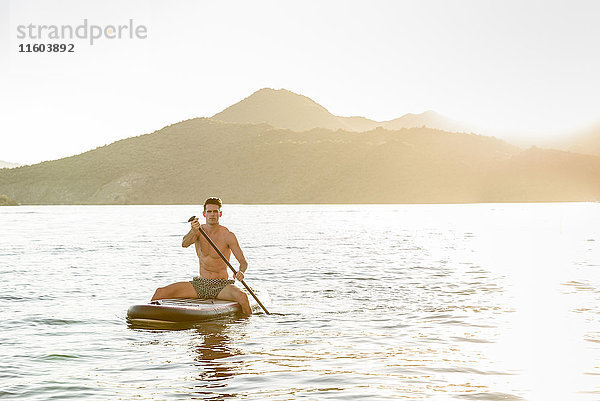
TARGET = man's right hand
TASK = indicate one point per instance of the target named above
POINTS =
(195, 225)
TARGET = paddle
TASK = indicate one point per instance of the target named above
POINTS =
(228, 264)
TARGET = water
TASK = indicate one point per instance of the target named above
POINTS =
(441, 302)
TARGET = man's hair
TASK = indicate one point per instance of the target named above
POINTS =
(213, 201)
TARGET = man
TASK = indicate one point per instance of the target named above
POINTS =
(213, 281)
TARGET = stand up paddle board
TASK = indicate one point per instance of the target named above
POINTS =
(180, 311)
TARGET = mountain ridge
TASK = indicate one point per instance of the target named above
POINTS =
(286, 148)
(186, 162)
(282, 108)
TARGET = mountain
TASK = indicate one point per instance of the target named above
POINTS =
(281, 109)
(4, 164)
(256, 163)
(284, 109)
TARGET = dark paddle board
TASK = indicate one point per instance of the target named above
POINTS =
(180, 311)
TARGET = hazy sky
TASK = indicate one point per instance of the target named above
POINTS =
(523, 66)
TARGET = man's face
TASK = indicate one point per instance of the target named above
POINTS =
(212, 214)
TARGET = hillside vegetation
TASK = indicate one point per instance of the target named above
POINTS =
(256, 163)
(276, 146)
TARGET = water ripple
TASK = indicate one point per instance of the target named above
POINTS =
(409, 301)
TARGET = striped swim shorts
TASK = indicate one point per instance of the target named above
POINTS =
(209, 288)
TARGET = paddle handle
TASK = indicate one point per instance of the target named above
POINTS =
(229, 264)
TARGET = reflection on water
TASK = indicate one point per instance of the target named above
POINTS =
(436, 302)
(215, 361)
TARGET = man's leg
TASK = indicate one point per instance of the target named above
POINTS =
(184, 289)
(232, 293)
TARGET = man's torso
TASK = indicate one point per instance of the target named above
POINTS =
(211, 264)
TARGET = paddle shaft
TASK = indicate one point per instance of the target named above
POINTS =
(229, 264)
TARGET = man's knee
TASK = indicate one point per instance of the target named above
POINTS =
(163, 293)
(158, 294)
(242, 297)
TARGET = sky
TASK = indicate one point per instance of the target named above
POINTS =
(522, 70)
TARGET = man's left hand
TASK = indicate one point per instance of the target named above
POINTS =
(239, 275)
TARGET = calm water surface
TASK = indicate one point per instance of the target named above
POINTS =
(441, 302)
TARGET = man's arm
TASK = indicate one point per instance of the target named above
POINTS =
(237, 252)
(191, 237)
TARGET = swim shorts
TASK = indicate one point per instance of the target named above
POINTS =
(209, 288)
